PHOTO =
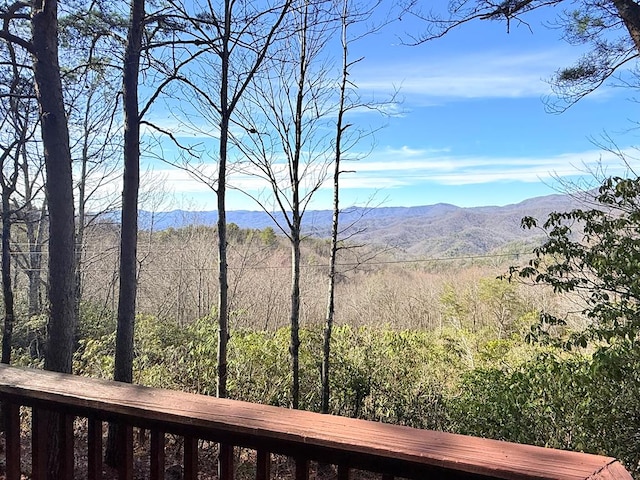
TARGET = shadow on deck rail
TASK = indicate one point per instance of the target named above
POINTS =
(391, 450)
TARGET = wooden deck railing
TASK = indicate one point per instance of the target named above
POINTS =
(348, 443)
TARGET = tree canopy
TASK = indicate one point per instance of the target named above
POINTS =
(594, 252)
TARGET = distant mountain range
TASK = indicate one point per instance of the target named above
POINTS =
(440, 229)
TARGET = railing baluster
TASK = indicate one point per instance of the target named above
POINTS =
(94, 448)
(65, 439)
(12, 433)
(343, 472)
(39, 444)
(190, 458)
(225, 462)
(157, 455)
(44, 422)
(302, 468)
(263, 465)
(125, 435)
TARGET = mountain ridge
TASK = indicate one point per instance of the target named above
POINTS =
(437, 229)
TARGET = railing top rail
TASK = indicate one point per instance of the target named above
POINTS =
(357, 443)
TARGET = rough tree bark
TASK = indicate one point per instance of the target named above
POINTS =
(223, 295)
(59, 187)
(123, 370)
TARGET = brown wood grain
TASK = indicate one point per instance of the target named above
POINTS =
(376, 446)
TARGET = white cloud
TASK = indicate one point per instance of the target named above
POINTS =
(481, 75)
(409, 167)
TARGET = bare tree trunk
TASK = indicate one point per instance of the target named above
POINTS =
(123, 370)
(7, 290)
(223, 295)
(131, 181)
(297, 214)
(335, 224)
(59, 183)
(59, 187)
(81, 222)
(294, 348)
(35, 228)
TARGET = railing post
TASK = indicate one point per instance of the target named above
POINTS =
(65, 445)
(12, 433)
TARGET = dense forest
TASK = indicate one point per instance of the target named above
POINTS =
(541, 349)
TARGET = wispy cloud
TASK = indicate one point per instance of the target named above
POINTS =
(410, 167)
(407, 168)
(492, 74)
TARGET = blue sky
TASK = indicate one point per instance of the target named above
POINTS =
(471, 127)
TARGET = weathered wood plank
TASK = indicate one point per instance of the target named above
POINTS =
(12, 438)
(379, 447)
(613, 471)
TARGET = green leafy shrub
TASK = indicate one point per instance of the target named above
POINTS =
(557, 400)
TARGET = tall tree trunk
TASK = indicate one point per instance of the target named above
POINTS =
(82, 188)
(223, 295)
(296, 221)
(123, 370)
(294, 348)
(7, 290)
(129, 230)
(36, 224)
(335, 224)
(59, 187)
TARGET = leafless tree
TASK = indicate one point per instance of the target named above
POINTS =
(347, 136)
(234, 42)
(18, 126)
(286, 121)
